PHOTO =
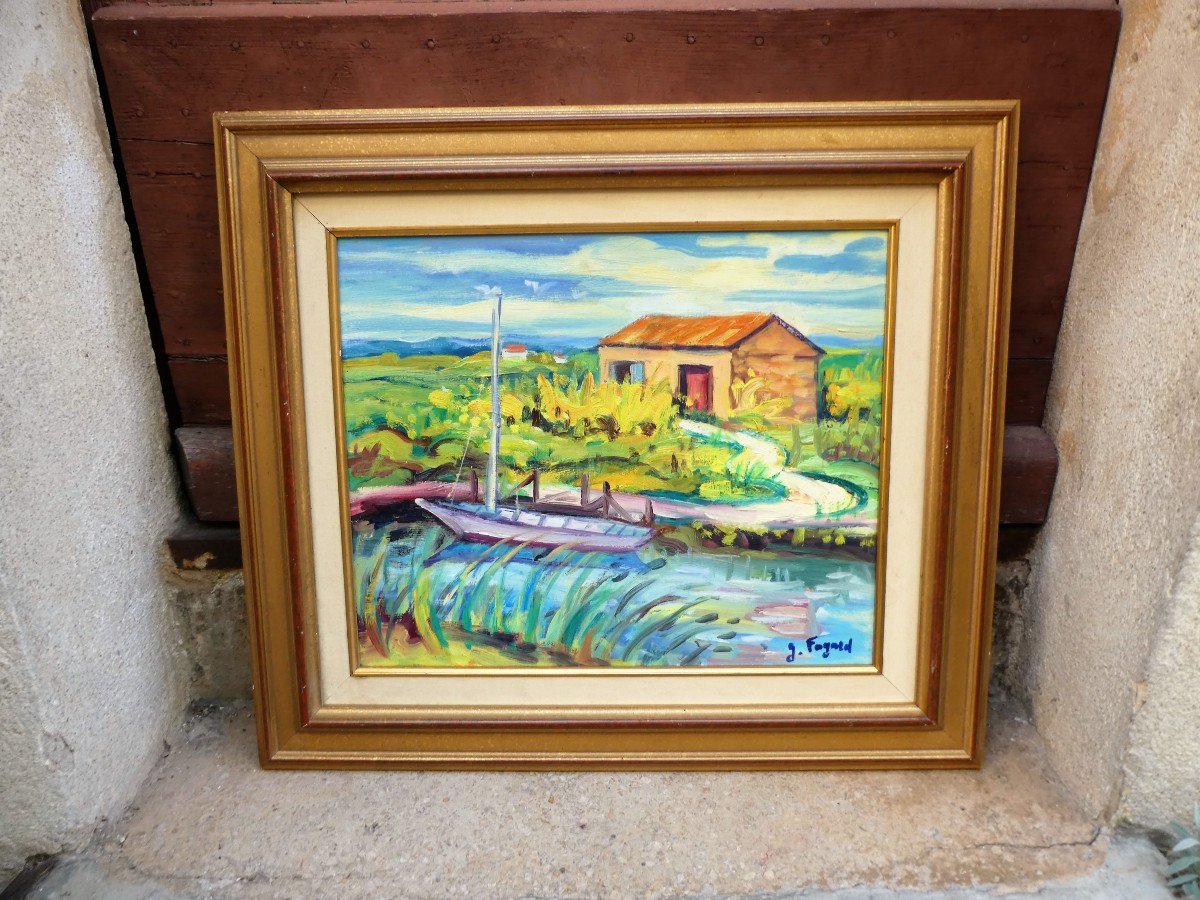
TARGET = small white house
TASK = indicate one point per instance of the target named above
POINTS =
(559, 358)
(514, 351)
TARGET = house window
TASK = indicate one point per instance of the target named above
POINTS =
(627, 372)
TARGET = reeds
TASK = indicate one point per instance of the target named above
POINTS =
(539, 605)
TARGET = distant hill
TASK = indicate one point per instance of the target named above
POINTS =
(357, 347)
(449, 346)
(840, 342)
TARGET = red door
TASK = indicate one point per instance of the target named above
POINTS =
(697, 386)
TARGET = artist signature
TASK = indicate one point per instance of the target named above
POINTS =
(815, 645)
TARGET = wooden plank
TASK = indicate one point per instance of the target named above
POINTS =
(202, 390)
(1027, 477)
(179, 235)
(206, 459)
(1025, 399)
(1027, 480)
(168, 68)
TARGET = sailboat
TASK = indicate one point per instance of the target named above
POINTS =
(550, 526)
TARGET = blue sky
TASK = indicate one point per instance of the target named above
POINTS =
(589, 285)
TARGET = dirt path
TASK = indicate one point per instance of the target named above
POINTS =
(815, 496)
(810, 502)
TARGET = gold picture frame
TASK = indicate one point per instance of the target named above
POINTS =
(939, 177)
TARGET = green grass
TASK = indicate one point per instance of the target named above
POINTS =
(851, 405)
(426, 417)
(422, 418)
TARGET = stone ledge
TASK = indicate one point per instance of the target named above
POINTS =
(210, 821)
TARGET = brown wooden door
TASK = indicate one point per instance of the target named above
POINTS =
(696, 382)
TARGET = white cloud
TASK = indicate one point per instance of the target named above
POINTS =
(634, 276)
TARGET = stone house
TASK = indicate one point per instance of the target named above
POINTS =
(701, 356)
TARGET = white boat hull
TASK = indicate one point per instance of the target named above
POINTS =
(473, 522)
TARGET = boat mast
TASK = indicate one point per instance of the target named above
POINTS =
(493, 485)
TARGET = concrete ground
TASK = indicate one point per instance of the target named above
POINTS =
(1129, 873)
(211, 823)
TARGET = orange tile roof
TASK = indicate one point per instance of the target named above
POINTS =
(712, 332)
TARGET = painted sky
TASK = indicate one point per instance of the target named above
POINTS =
(589, 285)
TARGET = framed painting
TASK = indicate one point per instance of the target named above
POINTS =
(619, 436)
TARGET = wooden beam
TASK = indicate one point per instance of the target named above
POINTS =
(202, 390)
(206, 459)
(1027, 477)
(1025, 398)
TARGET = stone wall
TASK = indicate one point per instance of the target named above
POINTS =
(1114, 610)
(1162, 767)
(89, 682)
(210, 609)
(787, 378)
(786, 364)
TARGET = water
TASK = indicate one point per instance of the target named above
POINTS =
(795, 595)
(722, 607)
